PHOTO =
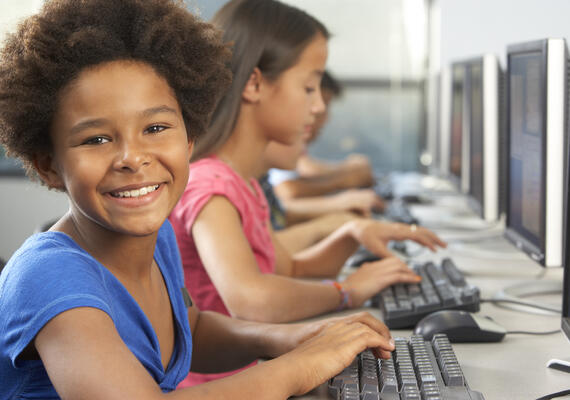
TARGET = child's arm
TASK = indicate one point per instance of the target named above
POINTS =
(325, 258)
(247, 293)
(324, 184)
(355, 163)
(222, 343)
(86, 358)
(360, 201)
(302, 235)
(251, 295)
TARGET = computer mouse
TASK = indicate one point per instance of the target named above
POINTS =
(460, 327)
(361, 256)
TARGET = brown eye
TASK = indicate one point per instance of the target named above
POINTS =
(96, 140)
(155, 129)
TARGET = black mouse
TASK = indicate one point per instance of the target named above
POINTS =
(361, 256)
(460, 327)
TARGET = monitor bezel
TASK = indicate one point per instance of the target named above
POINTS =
(537, 253)
(565, 320)
(477, 205)
(454, 179)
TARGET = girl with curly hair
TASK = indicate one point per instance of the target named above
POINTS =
(103, 99)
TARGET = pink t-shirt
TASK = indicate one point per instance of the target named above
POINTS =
(212, 177)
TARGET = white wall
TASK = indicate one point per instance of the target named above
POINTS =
(474, 27)
(23, 205)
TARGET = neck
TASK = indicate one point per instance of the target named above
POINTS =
(126, 256)
(244, 150)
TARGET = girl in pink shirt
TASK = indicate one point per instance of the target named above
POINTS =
(233, 262)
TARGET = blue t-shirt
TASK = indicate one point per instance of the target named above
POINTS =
(50, 274)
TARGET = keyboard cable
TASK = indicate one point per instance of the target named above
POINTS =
(555, 395)
(544, 307)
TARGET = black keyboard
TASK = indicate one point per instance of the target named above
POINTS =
(398, 211)
(442, 287)
(418, 370)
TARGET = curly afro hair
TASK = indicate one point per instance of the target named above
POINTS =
(50, 49)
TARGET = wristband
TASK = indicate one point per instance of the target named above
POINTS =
(345, 301)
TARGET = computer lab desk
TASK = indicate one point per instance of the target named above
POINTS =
(514, 368)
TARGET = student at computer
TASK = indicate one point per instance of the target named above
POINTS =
(232, 262)
(103, 101)
(312, 188)
(314, 177)
(295, 232)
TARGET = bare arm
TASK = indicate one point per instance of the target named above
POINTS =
(326, 183)
(86, 359)
(360, 201)
(247, 293)
(302, 235)
(355, 163)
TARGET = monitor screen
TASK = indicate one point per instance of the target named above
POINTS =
(456, 139)
(475, 106)
(526, 147)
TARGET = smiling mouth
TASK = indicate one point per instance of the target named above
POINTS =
(136, 192)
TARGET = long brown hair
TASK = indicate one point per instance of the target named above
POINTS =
(265, 34)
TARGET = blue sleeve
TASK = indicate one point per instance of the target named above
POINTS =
(40, 282)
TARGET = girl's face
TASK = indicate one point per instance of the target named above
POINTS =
(290, 105)
(120, 148)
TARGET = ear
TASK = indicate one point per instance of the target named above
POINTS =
(44, 166)
(251, 91)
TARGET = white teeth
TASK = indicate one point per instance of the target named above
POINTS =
(136, 192)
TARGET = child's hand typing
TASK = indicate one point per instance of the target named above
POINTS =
(360, 201)
(330, 346)
(375, 235)
(372, 277)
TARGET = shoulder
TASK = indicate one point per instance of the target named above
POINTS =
(48, 275)
(49, 256)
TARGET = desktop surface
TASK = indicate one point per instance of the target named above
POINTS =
(514, 368)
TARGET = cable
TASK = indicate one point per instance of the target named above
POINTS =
(486, 254)
(544, 307)
(532, 333)
(554, 395)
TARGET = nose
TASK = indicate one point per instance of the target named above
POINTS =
(319, 105)
(131, 155)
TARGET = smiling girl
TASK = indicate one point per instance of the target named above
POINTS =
(103, 99)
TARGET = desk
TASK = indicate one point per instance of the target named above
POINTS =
(515, 368)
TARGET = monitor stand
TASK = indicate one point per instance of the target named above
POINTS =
(560, 365)
(527, 289)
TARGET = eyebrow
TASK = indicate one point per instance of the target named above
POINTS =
(98, 122)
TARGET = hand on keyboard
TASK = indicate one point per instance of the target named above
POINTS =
(361, 201)
(375, 235)
(333, 346)
(373, 277)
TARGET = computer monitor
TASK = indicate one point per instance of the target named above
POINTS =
(482, 88)
(457, 120)
(536, 120)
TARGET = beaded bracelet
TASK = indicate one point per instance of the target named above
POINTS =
(345, 302)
